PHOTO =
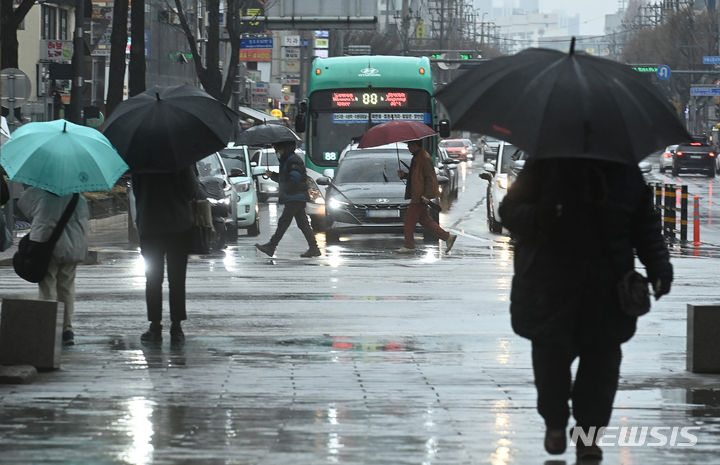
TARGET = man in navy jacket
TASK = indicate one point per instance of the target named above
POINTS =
(293, 195)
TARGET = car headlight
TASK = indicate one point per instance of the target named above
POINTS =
(502, 180)
(224, 201)
(243, 186)
(335, 204)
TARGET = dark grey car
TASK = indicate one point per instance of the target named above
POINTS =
(366, 195)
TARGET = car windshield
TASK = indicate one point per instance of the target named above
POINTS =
(509, 155)
(234, 159)
(380, 168)
(452, 143)
(265, 158)
(210, 166)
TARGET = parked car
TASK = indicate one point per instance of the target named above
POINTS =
(489, 147)
(212, 166)
(365, 195)
(237, 160)
(695, 157)
(267, 159)
(666, 158)
(500, 176)
(460, 149)
(448, 167)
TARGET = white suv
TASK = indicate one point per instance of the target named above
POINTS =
(241, 173)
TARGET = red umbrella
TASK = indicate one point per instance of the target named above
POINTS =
(395, 131)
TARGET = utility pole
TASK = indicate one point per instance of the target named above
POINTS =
(78, 64)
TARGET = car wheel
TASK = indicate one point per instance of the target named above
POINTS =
(232, 231)
(332, 237)
(494, 225)
(318, 223)
(675, 171)
(662, 169)
(711, 172)
(254, 229)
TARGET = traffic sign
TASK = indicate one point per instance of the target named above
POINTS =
(663, 72)
(256, 42)
(705, 91)
(711, 60)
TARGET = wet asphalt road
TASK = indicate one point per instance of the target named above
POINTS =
(360, 356)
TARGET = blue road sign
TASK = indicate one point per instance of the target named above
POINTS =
(705, 91)
(663, 72)
(256, 42)
(711, 60)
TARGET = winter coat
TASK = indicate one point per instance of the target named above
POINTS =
(422, 180)
(45, 209)
(577, 225)
(291, 179)
(162, 202)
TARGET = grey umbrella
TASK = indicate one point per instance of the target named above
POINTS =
(266, 134)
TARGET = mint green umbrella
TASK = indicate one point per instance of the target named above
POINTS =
(61, 157)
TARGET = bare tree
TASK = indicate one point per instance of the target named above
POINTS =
(136, 69)
(680, 42)
(209, 74)
(118, 44)
(10, 20)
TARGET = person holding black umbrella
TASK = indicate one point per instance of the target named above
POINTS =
(576, 224)
(422, 185)
(292, 185)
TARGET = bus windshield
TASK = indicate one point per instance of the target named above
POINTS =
(348, 95)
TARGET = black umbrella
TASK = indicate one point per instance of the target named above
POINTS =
(266, 134)
(553, 104)
(165, 129)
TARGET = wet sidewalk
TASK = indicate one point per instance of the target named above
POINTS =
(358, 357)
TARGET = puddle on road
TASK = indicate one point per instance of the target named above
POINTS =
(363, 344)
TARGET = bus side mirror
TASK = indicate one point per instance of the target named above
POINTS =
(444, 128)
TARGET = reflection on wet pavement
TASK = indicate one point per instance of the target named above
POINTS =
(357, 357)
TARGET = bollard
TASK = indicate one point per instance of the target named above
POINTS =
(696, 220)
(658, 194)
(669, 218)
(683, 213)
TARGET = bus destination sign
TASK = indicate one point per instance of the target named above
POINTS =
(348, 99)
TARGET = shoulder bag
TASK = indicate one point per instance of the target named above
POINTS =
(32, 258)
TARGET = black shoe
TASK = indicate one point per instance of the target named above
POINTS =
(153, 334)
(177, 336)
(311, 252)
(587, 455)
(555, 441)
(68, 338)
(268, 249)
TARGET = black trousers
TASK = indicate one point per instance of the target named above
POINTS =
(294, 210)
(155, 249)
(593, 391)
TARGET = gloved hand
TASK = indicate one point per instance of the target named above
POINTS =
(661, 286)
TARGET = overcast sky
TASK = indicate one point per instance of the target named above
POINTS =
(592, 12)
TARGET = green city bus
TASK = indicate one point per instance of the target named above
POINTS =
(347, 95)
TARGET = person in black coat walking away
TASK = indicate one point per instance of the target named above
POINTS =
(293, 194)
(164, 222)
(577, 225)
